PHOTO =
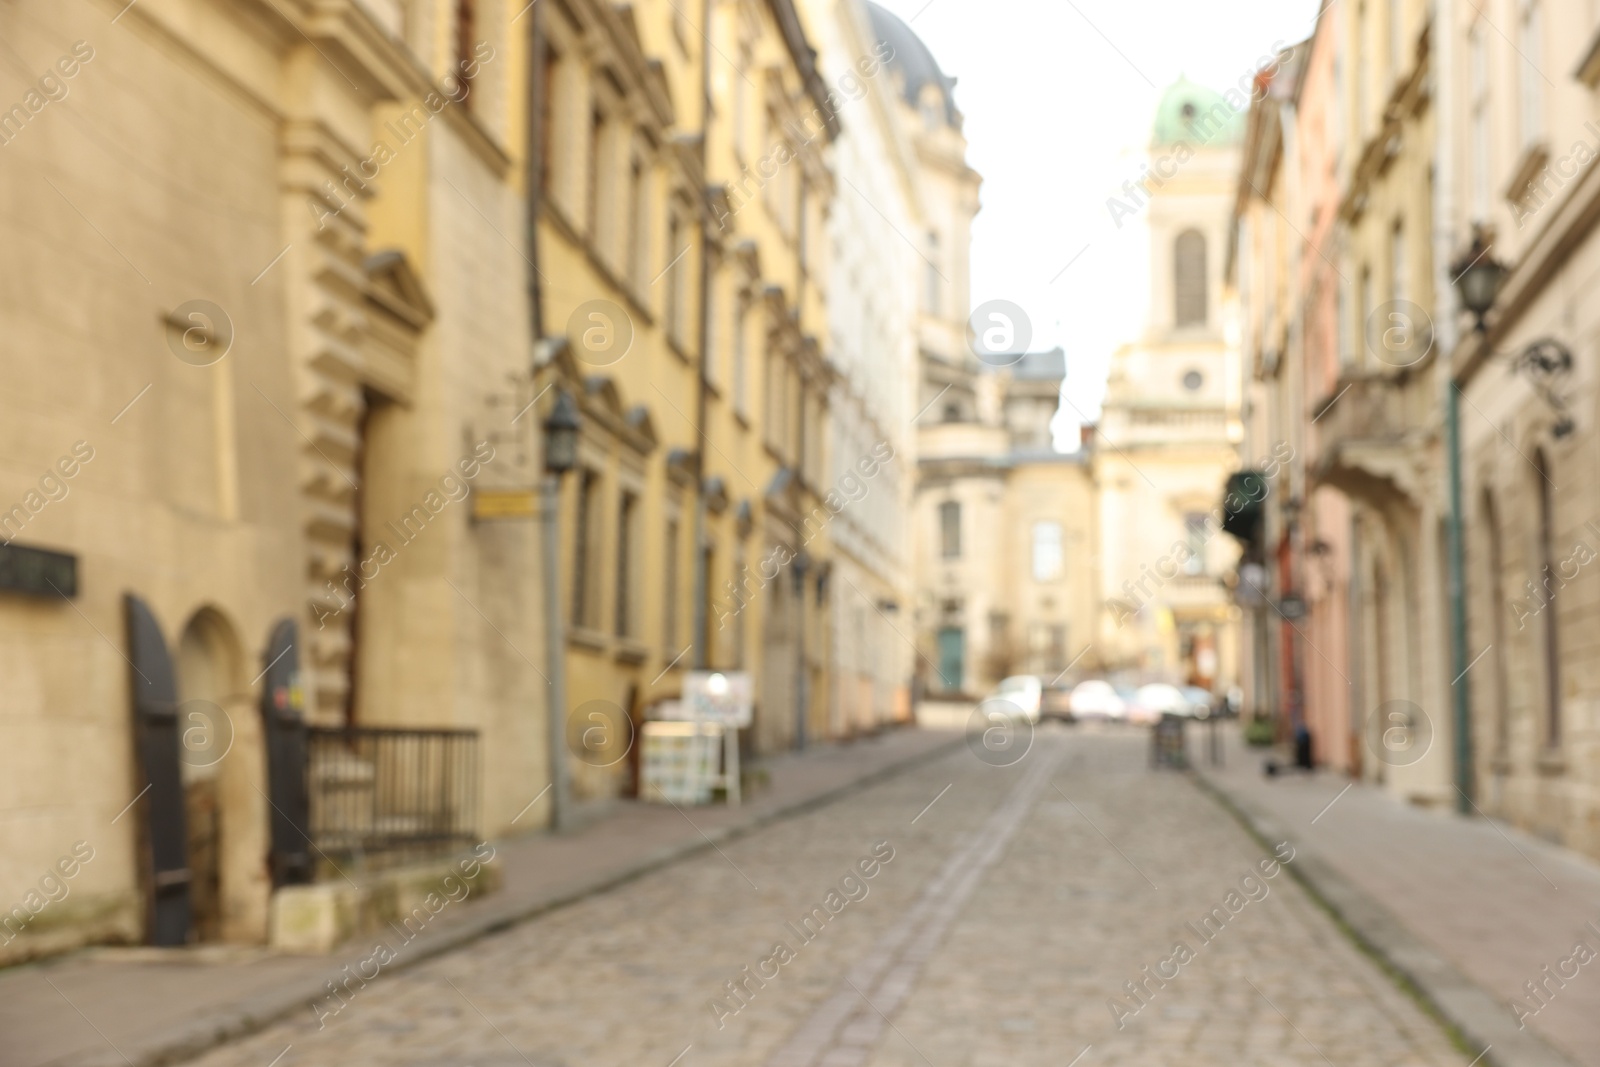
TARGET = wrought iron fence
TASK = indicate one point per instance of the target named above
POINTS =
(381, 797)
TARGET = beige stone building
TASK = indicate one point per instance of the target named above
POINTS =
(273, 253)
(873, 301)
(1006, 532)
(1519, 161)
(1002, 529)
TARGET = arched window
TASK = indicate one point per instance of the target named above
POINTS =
(950, 529)
(1189, 279)
(1546, 558)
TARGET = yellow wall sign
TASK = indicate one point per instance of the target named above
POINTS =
(504, 504)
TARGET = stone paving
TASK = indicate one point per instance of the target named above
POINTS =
(1499, 904)
(996, 927)
(113, 1007)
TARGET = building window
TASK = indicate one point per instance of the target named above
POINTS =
(1397, 263)
(950, 529)
(597, 163)
(1189, 279)
(1397, 29)
(627, 518)
(1478, 102)
(1531, 98)
(741, 357)
(1552, 648)
(1195, 535)
(931, 279)
(635, 242)
(741, 102)
(1363, 310)
(1497, 634)
(1048, 552)
(675, 287)
(584, 585)
(1361, 71)
(1193, 380)
(669, 614)
(1342, 322)
(548, 116)
(466, 36)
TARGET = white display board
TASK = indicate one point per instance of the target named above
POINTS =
(719, 696)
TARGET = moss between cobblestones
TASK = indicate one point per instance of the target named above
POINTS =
(1402, 981)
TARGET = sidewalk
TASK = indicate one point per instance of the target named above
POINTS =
(142, 1007)
(1466, 909)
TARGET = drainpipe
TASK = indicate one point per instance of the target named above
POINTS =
(535, 161)
(1458, 606)
(1444, 218)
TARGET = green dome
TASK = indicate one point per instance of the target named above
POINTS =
(1197, 115)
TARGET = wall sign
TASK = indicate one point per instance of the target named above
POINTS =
(37, 571)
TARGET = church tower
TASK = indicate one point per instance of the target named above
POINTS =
(1170, 421)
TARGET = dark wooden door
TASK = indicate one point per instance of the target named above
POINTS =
(283, 722)
(155, 716)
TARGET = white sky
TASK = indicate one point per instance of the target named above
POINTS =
(1056, 120)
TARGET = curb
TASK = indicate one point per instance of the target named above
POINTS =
(1470, 1012)
(245, 1017)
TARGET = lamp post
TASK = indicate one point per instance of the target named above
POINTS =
(560, 456)
(1478, 279)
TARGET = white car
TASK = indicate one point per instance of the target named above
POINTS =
(1161, 699)
(1022, 690)
(1096, 699)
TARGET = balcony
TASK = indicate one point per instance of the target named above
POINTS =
(1364, 439)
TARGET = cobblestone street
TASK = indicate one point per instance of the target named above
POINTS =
(1005, 912)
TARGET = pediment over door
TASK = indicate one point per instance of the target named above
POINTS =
(399, 311)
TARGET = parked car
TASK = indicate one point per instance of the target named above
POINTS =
(1096, 699)
(1202, 702)
(1023, 690)
(1136, 710)
(1158, 699)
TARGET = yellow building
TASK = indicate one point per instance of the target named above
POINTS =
(682, 253)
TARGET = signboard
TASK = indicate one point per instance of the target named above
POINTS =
(719, 696)
(37, 571)
(503, 504)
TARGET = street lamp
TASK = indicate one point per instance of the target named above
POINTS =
(1479, 277)
(560, 456)
(1478, 280)
(561, 435)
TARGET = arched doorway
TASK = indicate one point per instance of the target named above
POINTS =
(219, 751)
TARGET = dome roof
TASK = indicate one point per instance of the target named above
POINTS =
(1196, 114)
(913, 62)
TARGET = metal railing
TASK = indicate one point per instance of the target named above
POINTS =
(382, 797)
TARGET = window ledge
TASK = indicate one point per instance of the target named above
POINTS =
(584, 637)
(1552, 762)
(1533, 160)
(630, 651)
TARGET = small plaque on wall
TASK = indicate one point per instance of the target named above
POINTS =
(491, 504)
(37, 571)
